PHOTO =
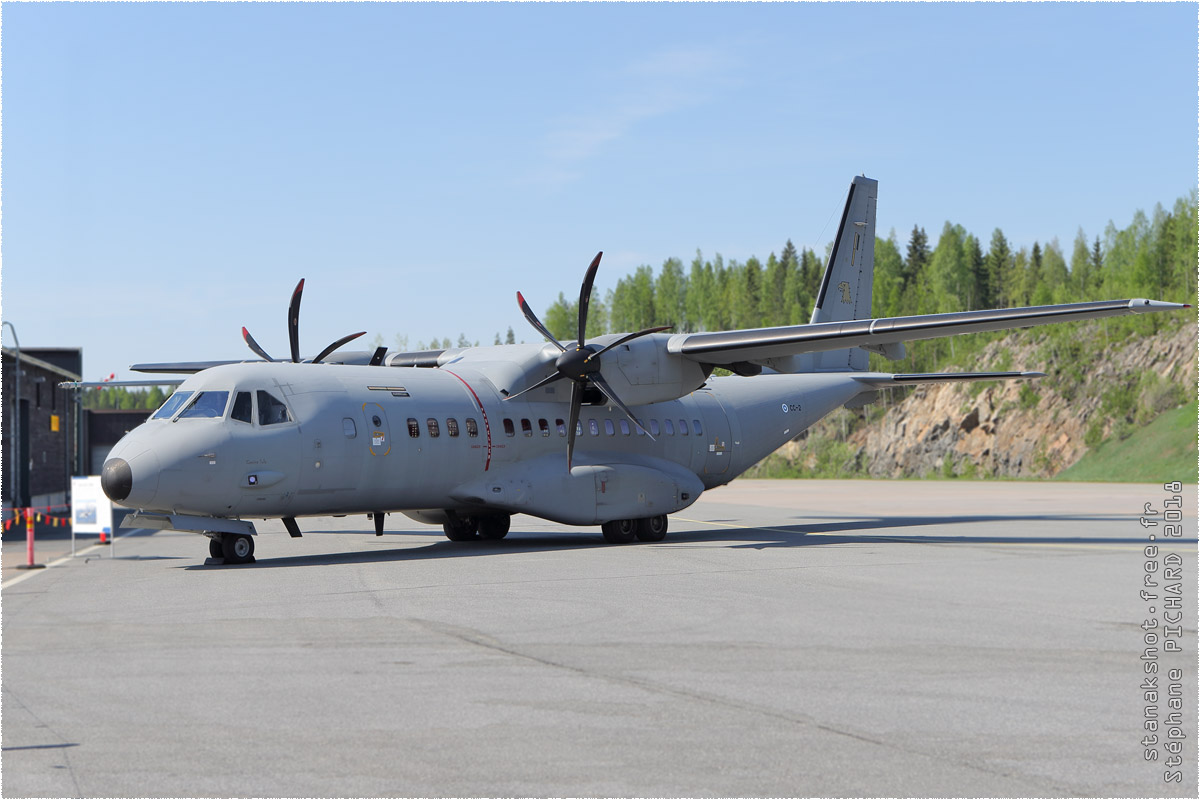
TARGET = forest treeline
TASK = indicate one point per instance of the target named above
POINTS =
(1154, 257)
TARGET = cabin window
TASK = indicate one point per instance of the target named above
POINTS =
(173, 404)
(641, 430)
(509, 428)
(654, 429)
(683, 427)
(668, 427)
(472, 428)
(349, 428)
(432, 425)
(696, 428)
(593, 427)
(561, 427)
(544, 427)
(579, 427)
(608, 427)
(414, 430)
(207, 405)
(526, 428)
(451, 427)
(625, 427)
(271, 410)
(242, 410)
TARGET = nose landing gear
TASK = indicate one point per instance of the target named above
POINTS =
(231, 548)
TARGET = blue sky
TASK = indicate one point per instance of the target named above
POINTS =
(171, 170)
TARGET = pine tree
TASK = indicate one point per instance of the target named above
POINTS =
(999, 264)
(918, 255)
(977, 294)
(1033, 274)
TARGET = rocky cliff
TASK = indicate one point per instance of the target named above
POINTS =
(1015, 428)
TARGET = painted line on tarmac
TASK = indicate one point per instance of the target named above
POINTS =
(60, 561)
(937, 540)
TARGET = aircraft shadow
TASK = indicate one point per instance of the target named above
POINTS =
(839, 531)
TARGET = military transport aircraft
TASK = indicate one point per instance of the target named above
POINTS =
(617, 431)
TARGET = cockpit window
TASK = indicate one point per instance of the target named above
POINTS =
(241, 407)
(206, 405)
(173, 404)
(271, 411)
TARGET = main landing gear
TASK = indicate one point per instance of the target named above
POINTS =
(234, 548)
(495, 526)
(624, 531)
(484, 526)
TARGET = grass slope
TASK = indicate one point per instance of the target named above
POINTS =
(1164, 450)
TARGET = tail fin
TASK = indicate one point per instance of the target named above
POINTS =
(846, 286)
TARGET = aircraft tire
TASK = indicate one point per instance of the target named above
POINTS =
(238, 548)
(215, 548)
(494, 526)
(652, 529)
(460, 530)
(620, 531)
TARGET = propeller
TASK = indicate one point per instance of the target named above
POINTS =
(294, 333)
(580, 362)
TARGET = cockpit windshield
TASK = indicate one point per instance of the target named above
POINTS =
(173, 404)
(206, 406)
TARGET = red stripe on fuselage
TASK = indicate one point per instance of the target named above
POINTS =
(487, 428)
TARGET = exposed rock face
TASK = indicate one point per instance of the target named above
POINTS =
(997, 432)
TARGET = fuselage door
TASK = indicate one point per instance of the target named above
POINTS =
(379, 433)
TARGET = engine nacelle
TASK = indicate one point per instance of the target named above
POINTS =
(643, 372)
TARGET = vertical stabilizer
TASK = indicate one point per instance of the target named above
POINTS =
(845, 292)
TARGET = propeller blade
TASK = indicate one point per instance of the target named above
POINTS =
(603, 386)
(585, 295)
(253, 345)
(576, 402)
(535, 322)
(628, 338)
(336, 345)
(543, 382)
(294, 321)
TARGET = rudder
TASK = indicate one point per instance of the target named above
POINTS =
(845, 292)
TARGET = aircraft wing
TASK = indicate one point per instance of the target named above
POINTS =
(759, 344)
(192, 367)
(179, 367)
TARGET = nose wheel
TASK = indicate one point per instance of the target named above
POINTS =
(234, 548)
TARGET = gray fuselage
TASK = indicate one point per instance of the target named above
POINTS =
(358, 439)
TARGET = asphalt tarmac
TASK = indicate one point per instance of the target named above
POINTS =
(789, 638)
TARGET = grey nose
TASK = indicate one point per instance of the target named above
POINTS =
(116, 479)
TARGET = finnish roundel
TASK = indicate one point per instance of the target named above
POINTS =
(785, 408)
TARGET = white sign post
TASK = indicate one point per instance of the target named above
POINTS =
(91, 510)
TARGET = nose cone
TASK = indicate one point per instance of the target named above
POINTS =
(116, 478)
